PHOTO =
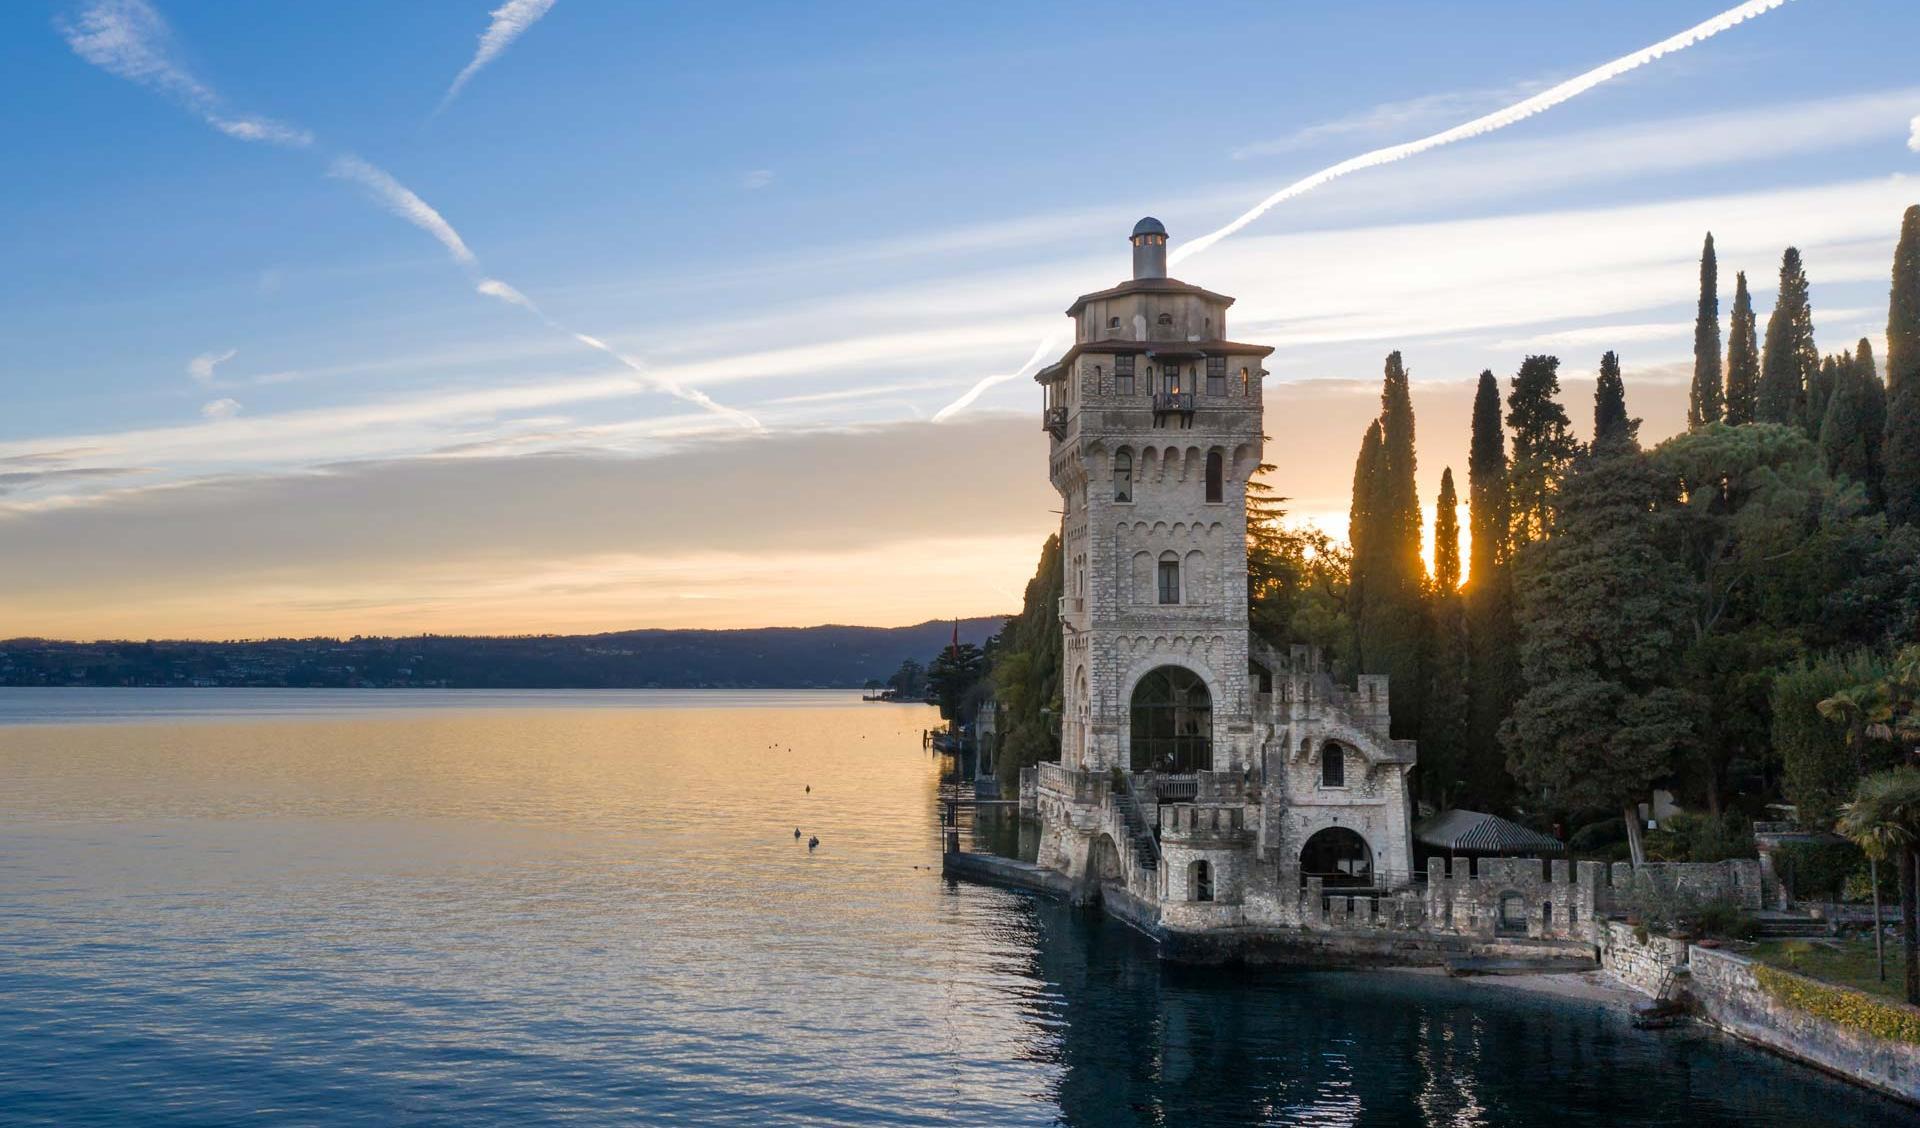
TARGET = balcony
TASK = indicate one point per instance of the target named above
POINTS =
(1054, 422)
(1173, 403)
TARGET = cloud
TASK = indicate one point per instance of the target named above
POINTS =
(1913, 136)
(1488, 123)
(129, 39)
(201, 367)
(222, 408)
(757, 179)
(1389, 116)
(510, 21)
(401, 201)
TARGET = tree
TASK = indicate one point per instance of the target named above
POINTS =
(1493, 654)
(1884, 820)
(1296, 578)
(1743, 358)
(1388, 620)
(1446, 712)
(1822, 743)
(1843, 438)
(1871, 395)
(1704, 403)
(1543, 447)
(1603, 619)
(952, 674)
(1367, 474)
(1610, 422)
(1900, 456)
(910, 680)
(1790, 361)
(1027, 670)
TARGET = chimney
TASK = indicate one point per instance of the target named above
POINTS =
(1149, 249)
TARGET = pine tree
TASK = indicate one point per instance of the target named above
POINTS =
(1789, 362)
(1390, 621)
(1704, 404)
(1543, 446)
(1900, 449)
(1603, 617)
(1743, 357)
(1843, 441)
(1610, 423)
(1493, 658)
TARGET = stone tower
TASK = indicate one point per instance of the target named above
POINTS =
(1155, 418)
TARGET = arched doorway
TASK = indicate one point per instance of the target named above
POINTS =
(1338, 857)
(1172, 729)
(1103, 861)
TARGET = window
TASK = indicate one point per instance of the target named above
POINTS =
(1098, 384)
(1216, 489)
(1333, 766)
(1202, 881)
(1216, 375)
(1166, 319)
(1246, 383)
(1123, 476)
(1123, 375)
(1170, 378)
(1169, 581)
(1113, 323)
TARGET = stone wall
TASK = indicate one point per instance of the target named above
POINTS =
(1740, 880)
(1640, 964)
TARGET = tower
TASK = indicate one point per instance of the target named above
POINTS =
(1155, 419)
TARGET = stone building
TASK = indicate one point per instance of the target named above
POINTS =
(1207, 776)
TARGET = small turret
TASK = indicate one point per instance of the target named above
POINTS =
(1149, 249)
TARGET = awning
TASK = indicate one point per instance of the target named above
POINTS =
(1471, 832)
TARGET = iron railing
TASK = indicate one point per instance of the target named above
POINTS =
(1173, 401)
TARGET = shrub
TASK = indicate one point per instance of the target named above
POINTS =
(1688, 837)
(1841, 1005)
(1726, 919)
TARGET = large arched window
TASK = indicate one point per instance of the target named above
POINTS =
(1338, 857)
(1333, 765)
(1172, 729)
(1216, 472)
(1123, 476)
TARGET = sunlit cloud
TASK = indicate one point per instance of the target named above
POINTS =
(201, 367)
(222, 408)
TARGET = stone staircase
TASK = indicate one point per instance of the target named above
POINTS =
(1790, 926)
(1146, 848)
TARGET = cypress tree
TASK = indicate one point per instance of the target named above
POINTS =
(1390, 623)
(1610, 423)
(1743, 357)
(1446, 538)
(1446, 712)
(1360, 534)
(1493, 659)
(1543, 447)
(1900, 449)
(1843, 441)
(1789, 362)
(1704, 404)
(1873, 419)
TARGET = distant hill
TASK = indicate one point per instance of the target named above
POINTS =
(758, 658)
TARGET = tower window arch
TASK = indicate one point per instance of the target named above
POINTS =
(1216, 473)
(1333, 765)
(1246, 382)
(1171, 722)
(1123, 476)
(1200, 880)
(1169, 578)
(1166, 319)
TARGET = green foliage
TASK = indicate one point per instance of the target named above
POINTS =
(1843, 1005)
(1819, 765)
(1493, 649)
(1817, 871)
(1543, 447)
(1901, 446)
(1743, 357)
(1611, 426)
(1026, 671)
(1296, 577)
(1789, 361)
(1871, 405)
(1446, 537)
(1704, 400)
(1690, 837)
(1603, 620)
(1843, 438)
(910, 680)
(952, 674)
(1389, 578)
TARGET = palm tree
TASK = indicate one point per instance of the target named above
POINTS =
(1883, 820)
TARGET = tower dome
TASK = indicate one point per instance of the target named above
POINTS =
(1149, 241)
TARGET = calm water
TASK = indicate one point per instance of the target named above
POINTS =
(223, 907)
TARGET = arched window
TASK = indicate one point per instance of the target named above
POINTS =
(1333, 765)
(1216, 489)
(1512, 920)
(1123, 476)
(1113, 323)
(1172, 722)
(1169, 578)
(1200, 880)
(1166, 319)
(1246, 382)
(1338, 857)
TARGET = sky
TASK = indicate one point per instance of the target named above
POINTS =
(572, 315)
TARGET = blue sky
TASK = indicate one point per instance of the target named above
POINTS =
(231, 365)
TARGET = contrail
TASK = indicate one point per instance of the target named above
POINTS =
(1498, 119)
(510, 21)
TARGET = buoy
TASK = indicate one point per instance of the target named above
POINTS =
(812, 842)
(809, 789)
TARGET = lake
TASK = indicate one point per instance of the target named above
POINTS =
(418, 907)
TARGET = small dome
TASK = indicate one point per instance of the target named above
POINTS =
(1149, 226)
